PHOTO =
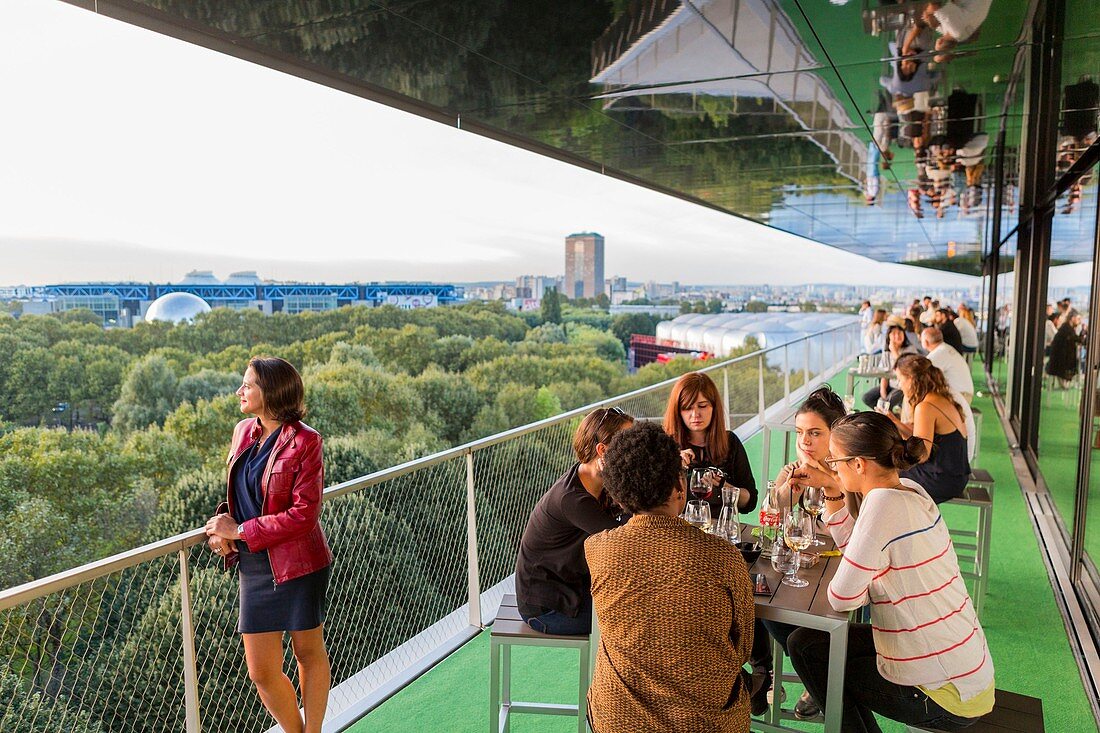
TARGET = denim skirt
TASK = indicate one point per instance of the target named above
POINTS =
(296, 605)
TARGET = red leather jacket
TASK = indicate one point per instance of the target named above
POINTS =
(292, 484)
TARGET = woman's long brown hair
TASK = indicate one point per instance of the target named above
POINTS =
(688, 389)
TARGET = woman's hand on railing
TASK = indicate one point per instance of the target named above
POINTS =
(221, 546)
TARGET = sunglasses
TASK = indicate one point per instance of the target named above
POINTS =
(610, 411)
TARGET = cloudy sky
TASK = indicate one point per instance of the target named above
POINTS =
(130, 155)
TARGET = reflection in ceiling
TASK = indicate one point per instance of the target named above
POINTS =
(867, 125)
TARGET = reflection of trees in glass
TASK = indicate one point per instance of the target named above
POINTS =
(523, 66)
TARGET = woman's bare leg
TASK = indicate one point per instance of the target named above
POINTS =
(264, 655)
(314, 675)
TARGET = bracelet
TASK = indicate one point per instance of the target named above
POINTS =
(834, 498)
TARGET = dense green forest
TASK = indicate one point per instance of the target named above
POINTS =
(152, 410)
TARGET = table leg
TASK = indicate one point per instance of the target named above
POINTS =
(838, 657)
(850, 384)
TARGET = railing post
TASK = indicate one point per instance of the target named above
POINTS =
(760, 374)
(786, 375)
(806, 368)
(726, 396)
(474, 579)
(190, 669)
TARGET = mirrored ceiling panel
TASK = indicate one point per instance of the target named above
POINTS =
(863, 124)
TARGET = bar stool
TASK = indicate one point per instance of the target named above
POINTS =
(977, 496)
(510, 630)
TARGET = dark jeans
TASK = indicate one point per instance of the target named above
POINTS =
(865, 690)
(556, 622)
(779, 632)
(872, 396)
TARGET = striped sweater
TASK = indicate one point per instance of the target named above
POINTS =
(899, 558)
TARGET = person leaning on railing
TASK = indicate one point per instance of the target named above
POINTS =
(269, 527)
(552, 580)
(674, 604)
(923, 659)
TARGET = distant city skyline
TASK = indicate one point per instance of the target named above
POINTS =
(225, 165)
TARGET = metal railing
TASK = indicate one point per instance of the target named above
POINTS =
(145, 640)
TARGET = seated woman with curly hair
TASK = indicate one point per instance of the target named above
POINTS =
(674, 605)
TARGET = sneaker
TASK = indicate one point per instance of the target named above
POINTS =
(806, 708)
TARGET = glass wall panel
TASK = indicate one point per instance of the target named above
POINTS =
(1077, 211)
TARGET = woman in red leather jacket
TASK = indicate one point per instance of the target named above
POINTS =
(269, 527)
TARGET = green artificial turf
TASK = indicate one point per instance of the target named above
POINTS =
(1022, 624)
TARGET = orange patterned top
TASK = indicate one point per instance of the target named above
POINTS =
(675, 610)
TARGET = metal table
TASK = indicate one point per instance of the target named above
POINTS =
(807, 607)
(854, 373)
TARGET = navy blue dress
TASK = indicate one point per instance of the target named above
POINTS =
(296, 605)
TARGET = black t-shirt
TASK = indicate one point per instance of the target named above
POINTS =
(551, 572)
(736, 467)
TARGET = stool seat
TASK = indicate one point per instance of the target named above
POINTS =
(510, 630)
(1012, 713)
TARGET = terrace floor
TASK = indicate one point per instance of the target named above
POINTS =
(1022, 623)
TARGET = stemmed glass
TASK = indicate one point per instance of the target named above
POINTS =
(798, 532)
(697, 514)
(699, 486)
(813, 500)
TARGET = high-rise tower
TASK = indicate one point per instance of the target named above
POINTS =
(583, 265)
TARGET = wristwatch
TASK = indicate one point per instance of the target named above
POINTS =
(240, 530)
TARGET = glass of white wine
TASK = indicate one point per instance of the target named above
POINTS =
(798, 533)
(813, 501)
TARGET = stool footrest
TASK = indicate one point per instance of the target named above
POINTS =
(541, 708)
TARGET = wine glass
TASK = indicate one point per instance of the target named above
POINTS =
(813, 501)
(697, 514)
(699, 486)
(798, 532)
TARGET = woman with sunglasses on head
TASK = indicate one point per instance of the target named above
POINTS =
(552, 580)
(923, 659)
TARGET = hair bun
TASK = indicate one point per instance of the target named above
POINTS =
(908, 453)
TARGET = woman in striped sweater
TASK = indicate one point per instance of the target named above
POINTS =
(923, 659)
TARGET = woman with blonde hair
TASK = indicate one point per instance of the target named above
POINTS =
(940, 421)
